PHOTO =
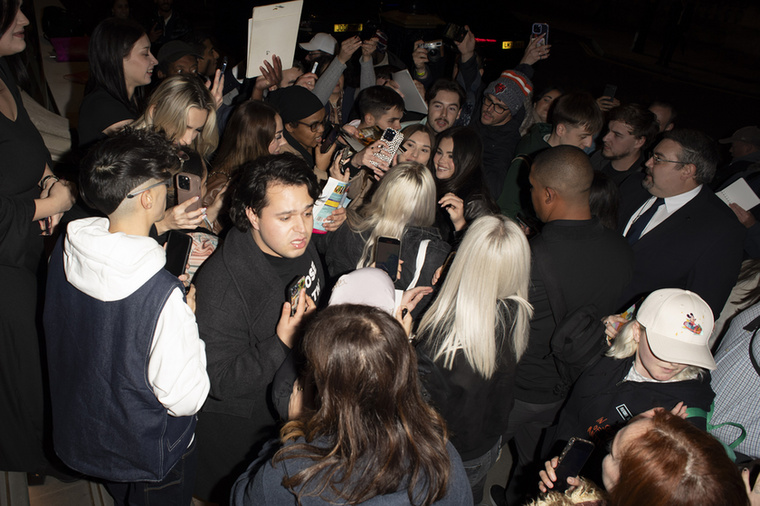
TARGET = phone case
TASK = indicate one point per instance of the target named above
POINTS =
(178, 246)
(188, 186)
(293, 292)
(388, 154)
(387, 255)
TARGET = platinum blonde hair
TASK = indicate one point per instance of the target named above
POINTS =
(168, 108)
(625, 345)
(405, 197)
(491, 267)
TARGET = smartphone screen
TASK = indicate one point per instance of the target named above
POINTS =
(294, 291)
(387, 253)
(571, 461)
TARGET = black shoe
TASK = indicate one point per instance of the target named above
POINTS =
(498, 495)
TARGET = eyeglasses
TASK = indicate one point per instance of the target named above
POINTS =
(165, 182)
(658, 160)
(488, 103)
(314, 126)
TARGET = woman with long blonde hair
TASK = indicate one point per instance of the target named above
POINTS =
(471, 337)
(403, 208)
(183, 109)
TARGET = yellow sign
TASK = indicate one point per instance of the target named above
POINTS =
(340, 28)
(509, 44)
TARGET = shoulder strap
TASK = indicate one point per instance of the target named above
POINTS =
(694, 412)
(421, 254)
(753, 327)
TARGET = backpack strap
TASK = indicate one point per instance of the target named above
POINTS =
(694, 412)
(421, 254)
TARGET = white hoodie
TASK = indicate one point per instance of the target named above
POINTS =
(110, 267)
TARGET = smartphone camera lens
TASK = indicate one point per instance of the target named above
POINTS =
(184, 182)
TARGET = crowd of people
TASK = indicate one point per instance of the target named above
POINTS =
(560, 262)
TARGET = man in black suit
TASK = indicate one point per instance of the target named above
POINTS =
(682, 235)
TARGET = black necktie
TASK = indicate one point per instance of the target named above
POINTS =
(638, 226)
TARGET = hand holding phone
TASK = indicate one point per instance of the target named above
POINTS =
(188, 186)
(540, 30)
(291, 317)
(567, 465)
(294, 291)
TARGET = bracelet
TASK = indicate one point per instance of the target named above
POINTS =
(44, 180)
(420, 74)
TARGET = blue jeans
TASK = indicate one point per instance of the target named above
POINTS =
(176, 489)
(477, 470)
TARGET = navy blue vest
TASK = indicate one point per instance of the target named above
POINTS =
(107, 421)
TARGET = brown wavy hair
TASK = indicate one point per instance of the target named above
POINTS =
(380, 432)
(247, 136)
(676, 464)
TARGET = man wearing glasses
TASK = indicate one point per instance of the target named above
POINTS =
(501, 113)
(682, 235)
(304, 118)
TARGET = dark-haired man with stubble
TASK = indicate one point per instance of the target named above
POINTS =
(244, 316)
(445, 99)
(632, 129)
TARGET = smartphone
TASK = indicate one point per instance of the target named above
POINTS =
(345, 156)
(369, 30)
(540, 30)
(224, 65)
(178, 247)
(393, 138)
(571, 461)
(328, 137)
(294, 291)
(387, 253)
(188, 186)
(609, 91)
(314, 67)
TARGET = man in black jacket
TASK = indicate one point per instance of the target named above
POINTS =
(244, 317)
(575, 259)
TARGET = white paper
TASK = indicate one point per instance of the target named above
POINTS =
(273, 30)
(334, 195)
(413, 101)
(739, 192)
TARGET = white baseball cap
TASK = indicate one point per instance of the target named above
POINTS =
(321, 42)
(678, 325)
